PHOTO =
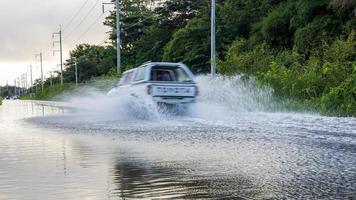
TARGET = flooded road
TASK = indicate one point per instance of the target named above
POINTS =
(50, 153)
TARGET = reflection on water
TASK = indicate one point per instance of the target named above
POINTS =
(271, 157)
(138, 180)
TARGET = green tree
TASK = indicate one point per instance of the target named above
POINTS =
(146, 29)
(190, 45)
(92, 61)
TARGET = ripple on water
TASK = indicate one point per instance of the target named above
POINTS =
(252, 155)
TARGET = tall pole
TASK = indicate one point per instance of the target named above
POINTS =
(41, 63)
(118, 33)
(60, 49)
(213, 38)
(61, 52)
(118, 38)
(31, 85)
(26, 91)
(7, 88)
(21, 84)
(76, 72)
(41, 70)
(51, 79)
(15, 90)
(18, 83)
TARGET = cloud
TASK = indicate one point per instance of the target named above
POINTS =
(27, 26)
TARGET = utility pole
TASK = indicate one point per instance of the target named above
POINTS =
(25, 77)
(7, 88)
(41, 69)
(118, 38)
(51, 79)
(213, 38)
(41, 62)
(31, 85)
(21, 84)
(118, 33)
(60, 49)
(15, 90)
(18, 83)
(24, 83)
(76, 72)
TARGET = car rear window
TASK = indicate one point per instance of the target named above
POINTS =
(169, 74)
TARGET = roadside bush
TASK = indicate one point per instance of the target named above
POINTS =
(50, 93)
(342, 50)
(309, 81)
(279, 78)
(341, 100)
(240, 59)
(324, 80)
(312, 36)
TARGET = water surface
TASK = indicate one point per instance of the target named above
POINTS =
(51, 153)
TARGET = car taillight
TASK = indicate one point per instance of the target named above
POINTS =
(149, 89)
(196, 90)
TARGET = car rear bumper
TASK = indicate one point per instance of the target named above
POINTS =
(174, 100)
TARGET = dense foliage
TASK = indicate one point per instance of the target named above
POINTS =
(305, 50)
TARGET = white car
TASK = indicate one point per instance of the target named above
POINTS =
(164, 83)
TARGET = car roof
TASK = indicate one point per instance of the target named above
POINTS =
(166, 64)
(150, 65)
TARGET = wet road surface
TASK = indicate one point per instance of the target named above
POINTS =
(51, 153)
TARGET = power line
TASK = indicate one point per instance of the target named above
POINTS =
(85, 17)
(89, 28)
(76, 14)
(197, 3)
(104, 41)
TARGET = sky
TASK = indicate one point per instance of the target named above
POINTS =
(26, 29)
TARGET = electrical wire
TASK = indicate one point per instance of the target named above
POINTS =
(104, 41)
(75, 15)
(89, 28)
(85, 17)
(197, 3)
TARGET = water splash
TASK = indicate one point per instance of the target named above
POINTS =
(228, 97)
(116, 107)
(220, 98)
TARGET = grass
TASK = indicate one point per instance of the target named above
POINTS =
(63, 92)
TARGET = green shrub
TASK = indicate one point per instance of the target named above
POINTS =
(341, 100)
(240, 59)
(51, 93)
(323, 80)
(279, 78)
